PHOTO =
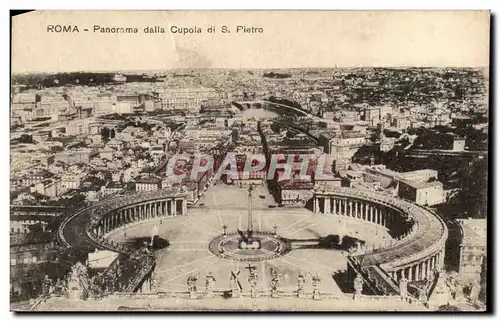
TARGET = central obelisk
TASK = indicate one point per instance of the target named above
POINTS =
(250, 228)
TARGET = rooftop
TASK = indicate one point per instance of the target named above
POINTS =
(473, 231)
(421, 185)
(149, 179)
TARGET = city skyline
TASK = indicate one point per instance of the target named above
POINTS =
(486, 69)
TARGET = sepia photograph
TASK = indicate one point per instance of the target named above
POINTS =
(249, 161)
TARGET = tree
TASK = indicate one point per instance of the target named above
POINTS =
(472, 199)
(105, 133)
(26, 139)
(448, 307)
(56, 149)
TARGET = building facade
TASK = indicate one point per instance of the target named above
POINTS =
(472, 248)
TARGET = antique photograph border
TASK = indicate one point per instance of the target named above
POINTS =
(238, 243)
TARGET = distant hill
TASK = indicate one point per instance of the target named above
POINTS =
(276, 75)
(75, 78)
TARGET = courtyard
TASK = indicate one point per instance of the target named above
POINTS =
(188, 237)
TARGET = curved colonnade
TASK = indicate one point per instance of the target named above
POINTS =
(123, 210)
(418, 235)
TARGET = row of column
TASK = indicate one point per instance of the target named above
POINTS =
(421, 270)
(140, 212)
(354, 208)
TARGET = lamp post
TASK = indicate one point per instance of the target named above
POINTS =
(275, 229)
(224, 227)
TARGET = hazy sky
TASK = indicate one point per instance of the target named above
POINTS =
(290, 39)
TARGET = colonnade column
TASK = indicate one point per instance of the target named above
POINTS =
(441, 259)
(172, 208)
(327, 209)
(184, 207)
